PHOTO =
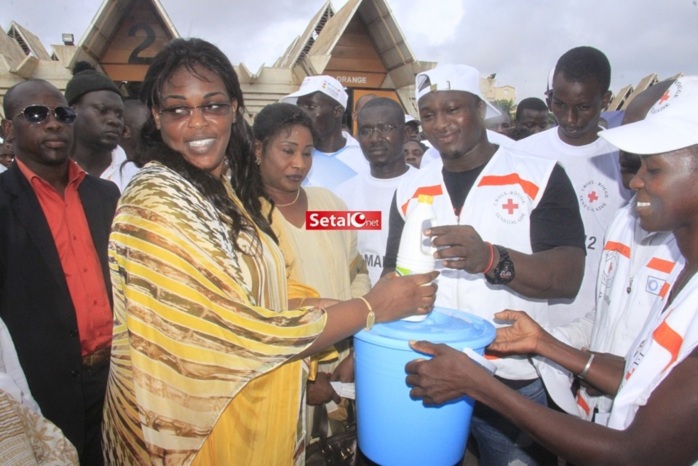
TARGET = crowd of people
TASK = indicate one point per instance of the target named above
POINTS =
(162, 300)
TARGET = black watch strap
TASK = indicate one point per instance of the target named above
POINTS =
(504, 271)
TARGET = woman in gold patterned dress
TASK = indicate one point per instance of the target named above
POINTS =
(207, 358)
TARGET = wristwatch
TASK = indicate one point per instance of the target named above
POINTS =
(504, 271)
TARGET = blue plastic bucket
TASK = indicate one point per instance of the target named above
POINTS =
(393, 428)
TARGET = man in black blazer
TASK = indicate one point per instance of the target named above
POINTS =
(55, 292)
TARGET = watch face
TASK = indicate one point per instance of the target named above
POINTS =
(506, 274)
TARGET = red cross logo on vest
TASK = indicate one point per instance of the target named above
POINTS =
(664, 98)
(510, 206)
(593, 196)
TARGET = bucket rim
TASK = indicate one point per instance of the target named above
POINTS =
(399, 338)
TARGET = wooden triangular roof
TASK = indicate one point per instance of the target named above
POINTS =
(107, 22)
(386, 37)
(300, 47)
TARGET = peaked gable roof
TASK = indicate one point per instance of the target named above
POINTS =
(107, 22)
(334, 29)
(377, 20)
(10, 49)
(300, 47)
(30, 43)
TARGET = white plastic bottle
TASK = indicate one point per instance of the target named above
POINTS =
(416, 253)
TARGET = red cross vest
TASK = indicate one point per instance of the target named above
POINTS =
(498, 207)
(666, 340)
(636, 272)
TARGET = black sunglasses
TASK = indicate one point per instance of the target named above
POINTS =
(39, 113)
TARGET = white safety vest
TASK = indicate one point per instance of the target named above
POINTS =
(498, 207)
(636, 272)
(666, 340)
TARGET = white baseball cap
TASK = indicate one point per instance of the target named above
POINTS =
(549, 83)
(671, 123)
(325, 84)
(450, 77)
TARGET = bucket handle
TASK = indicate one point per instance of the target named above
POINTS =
(480, 359)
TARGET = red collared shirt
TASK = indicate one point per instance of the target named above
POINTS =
(81, 266)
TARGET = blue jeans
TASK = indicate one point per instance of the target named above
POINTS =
(501, 443)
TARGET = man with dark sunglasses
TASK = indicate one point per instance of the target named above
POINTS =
(99, 126)
(55, 293)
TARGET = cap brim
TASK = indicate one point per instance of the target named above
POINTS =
(652, 136)
(293, 98)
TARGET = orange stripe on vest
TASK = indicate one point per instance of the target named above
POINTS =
(661, 265)
(583, 404)
(428, 190)
(668, 339)
(618, 247)
(665, 289)
(502, 180)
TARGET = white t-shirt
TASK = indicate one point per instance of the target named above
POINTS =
(330, 170)
(117, 172)
(594, 172)
(365, 192)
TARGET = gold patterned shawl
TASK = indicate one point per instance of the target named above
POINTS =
(196, 325)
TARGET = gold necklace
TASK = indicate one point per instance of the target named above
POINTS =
(298, 194)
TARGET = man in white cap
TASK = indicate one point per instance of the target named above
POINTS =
(652, 419)
(494, 137)
(337, 156)
(494, 209)
(579, 94)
